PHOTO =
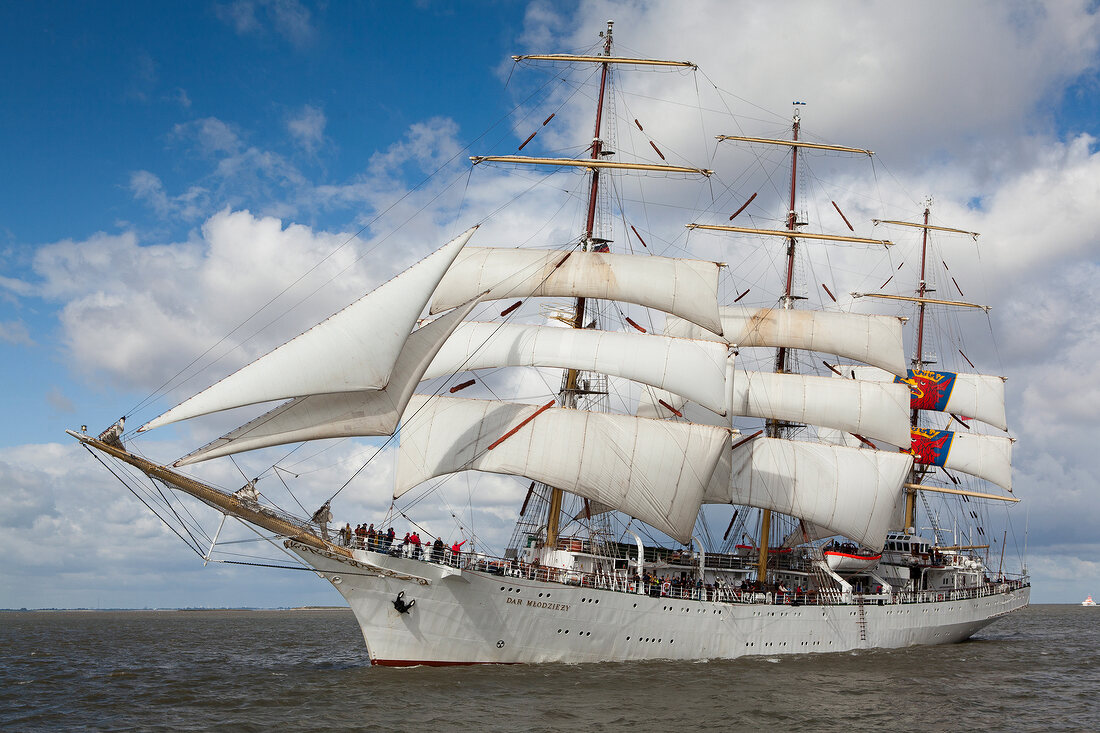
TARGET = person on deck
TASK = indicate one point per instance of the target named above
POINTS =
(456, 551)
(437, 550)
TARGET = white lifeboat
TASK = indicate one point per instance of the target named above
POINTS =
(850, 561)
(1088, 602)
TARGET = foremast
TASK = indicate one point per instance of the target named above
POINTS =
(569, 394)
(595, 163)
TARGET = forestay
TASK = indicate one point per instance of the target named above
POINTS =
(686, 288)
(851, 492)
(693, 368)
(652, 470)
(352, 350)
(345, 414)
(871, 339)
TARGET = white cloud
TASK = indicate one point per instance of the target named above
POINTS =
(15, 332)
(119, 318)
(211, 136)
(289, 18)
(147, 187)
(308, 128)
(59, 402)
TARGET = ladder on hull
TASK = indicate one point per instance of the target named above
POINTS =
(861, 619)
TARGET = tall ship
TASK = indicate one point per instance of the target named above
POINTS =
(707, 474)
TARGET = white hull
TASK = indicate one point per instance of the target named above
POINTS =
(467, 617)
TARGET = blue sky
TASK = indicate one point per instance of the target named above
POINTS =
(97, 91)
(112, 110)
(169, 167)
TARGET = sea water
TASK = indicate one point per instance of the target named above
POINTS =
(1038, 669)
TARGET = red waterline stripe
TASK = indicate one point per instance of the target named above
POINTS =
(426, 663)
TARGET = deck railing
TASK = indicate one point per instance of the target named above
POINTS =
(622, 582)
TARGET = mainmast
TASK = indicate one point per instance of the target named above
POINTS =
(774, 428)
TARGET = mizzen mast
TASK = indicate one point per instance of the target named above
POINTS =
(919, 361)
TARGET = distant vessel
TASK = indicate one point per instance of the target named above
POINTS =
(571, 586)
(1088, 602)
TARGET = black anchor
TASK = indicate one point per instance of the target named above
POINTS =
(400, 605)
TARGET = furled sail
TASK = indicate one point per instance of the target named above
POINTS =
(852, 492)
(695, 369)
(978, 396)
(686, 288)
(871, 409)
(352, 350)
(870, 339)
(984, 456)
(652, 470)
(343, 414)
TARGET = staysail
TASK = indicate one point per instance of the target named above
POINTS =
(852, 492)
(652, 470)
(344, 414)
(353, 350)
(686, 288)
